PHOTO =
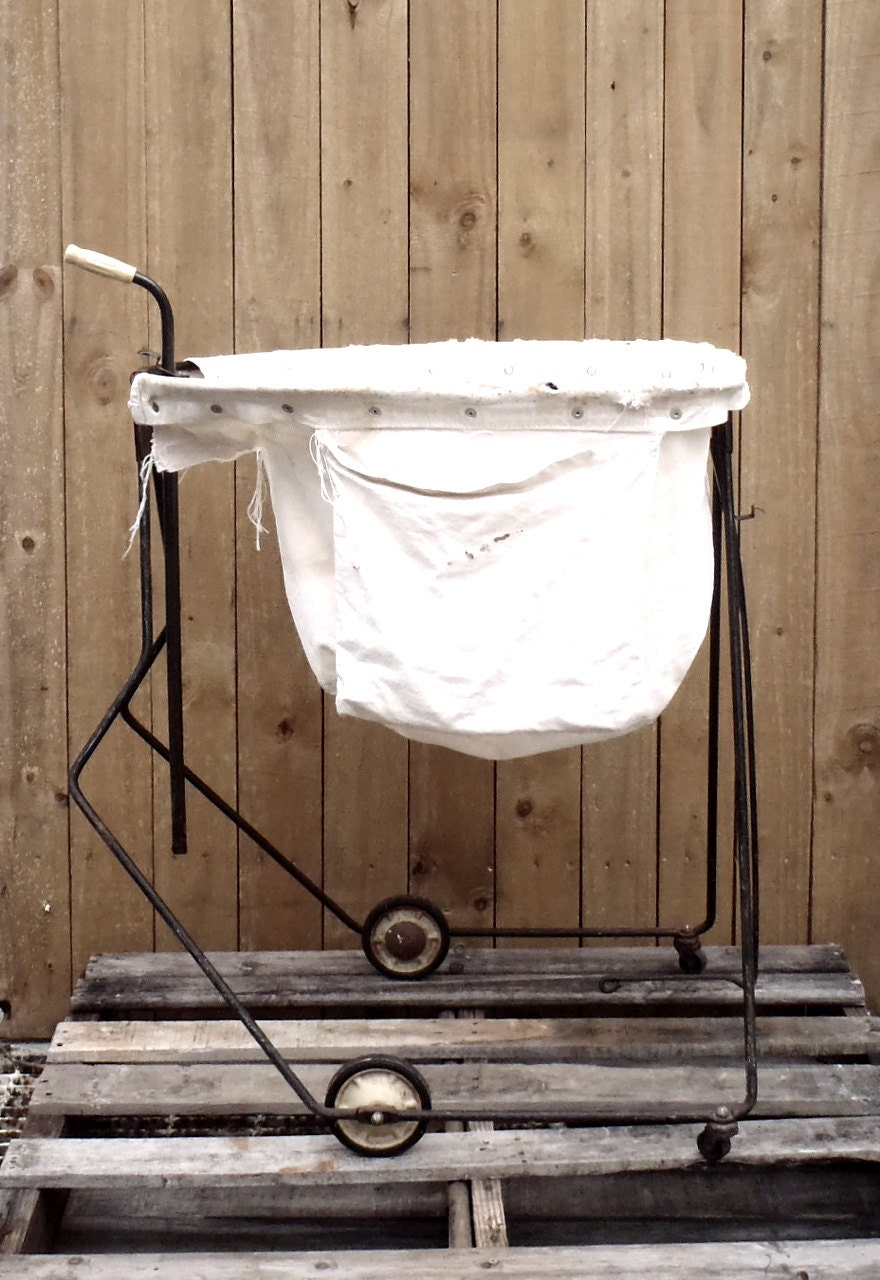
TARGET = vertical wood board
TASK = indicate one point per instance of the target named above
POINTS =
(189, 231)
(540, 295)
(847, 728)
(623, 299)
(781, 190)
(105, 325)
(453, 271)
(277, 306)
(364, 261)
(34, 902)
(701, 302)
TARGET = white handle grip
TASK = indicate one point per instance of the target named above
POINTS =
(99, 263)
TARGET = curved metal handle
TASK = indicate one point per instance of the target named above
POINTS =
(99, 263)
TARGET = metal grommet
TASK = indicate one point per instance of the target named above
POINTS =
(675, 413)
(216, 408)
(375, 413)
(577, 413)
(288, 408)
(470, 412)
(154, 406)
(591, 373)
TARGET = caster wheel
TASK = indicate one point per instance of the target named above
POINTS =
(372, 1086)
(713, 1142)
(691, 957)
(711, 1148)
(405, 937)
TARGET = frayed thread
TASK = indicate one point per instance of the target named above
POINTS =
(255, 506)
(318, 452)
(146, 472)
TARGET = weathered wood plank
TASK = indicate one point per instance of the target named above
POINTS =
(277, 227)
(761, 1260)
(540, 295)
(189, 227)
(138, 970)
(500, 1089)
(364, 281)
(453, 288)
(846, 733)
(623, 1040)
(781, 209)
(624, 289)
(105, 325)
(602, 981)
(34, 874)
(701, 301)
(312, 1161)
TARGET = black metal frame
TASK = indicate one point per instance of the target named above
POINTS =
(714, 1140)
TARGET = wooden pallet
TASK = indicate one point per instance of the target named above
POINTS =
(229, 1181)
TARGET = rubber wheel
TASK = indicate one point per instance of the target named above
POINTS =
(378, 1084)
(692, 962)
(691, 956)
(405, 937)
(711, 1148)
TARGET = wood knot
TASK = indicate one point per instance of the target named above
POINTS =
(286, 729)
(862, 749)
(467, 216)
(8, 278)
(44, 285)
(103, 381)
(524, 808)
(527, 243)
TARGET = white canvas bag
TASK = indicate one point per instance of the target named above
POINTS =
(502, 548)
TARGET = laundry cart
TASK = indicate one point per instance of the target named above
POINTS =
(502, 548)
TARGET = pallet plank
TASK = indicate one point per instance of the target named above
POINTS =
(497, 1089)
(598, 996)
(504, 1039)
(594, 979)
(769, 1260)
(136, 1164)
(136, 968)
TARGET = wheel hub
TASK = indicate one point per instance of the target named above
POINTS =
(406, 940)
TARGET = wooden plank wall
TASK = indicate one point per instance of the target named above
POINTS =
(298, 173)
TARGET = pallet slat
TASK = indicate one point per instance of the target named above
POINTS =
(515, 1039)
(592, 980)
(770, 1260)
(505, 1088)
(318, 1160)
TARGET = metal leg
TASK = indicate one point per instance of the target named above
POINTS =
(714, 1141)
